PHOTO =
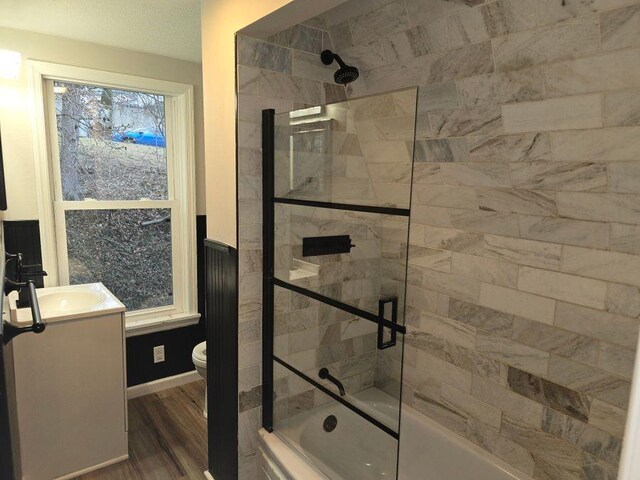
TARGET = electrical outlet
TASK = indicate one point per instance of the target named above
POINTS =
(158, 354)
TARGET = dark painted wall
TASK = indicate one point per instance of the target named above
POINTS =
(178, 343)
(24, 237)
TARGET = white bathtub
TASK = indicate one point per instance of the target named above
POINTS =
(357, 450)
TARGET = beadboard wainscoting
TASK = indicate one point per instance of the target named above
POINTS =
(222, 358)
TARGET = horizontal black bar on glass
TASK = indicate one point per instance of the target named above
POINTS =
(339, 399)
(372, 317)
(403, 212)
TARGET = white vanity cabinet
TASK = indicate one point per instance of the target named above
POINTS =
(71, 387)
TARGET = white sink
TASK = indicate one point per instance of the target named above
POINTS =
(69, 300)
(73, 301)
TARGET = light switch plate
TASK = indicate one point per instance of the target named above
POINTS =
(158, 354)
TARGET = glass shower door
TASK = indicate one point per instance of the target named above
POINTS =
(337, 190)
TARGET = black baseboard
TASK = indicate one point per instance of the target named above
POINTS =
(222, 359)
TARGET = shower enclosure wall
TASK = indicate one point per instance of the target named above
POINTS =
(336, 198)
(522, 300)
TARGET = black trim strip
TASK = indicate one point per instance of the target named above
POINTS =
(340, 399)
(395, 327)
(268, 235)
(403, 212)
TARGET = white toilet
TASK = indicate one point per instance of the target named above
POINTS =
(199, 357)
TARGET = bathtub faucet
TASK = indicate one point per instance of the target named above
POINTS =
(325, 375)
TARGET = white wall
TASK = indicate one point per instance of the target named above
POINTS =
(118, 23)
(221, 20)
(15, 121)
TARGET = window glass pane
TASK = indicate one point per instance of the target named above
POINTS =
(112, 143)
(127, 250)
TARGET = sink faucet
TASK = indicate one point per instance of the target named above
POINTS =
(23, 274)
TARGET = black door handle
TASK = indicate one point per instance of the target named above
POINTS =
(393, 325)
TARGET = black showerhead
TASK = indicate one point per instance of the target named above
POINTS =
(346, 73)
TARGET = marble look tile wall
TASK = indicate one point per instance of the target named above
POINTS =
(351, 152)
(523, 300)
(522, 297)
(354, 152)
(310, 336)
(279, 74)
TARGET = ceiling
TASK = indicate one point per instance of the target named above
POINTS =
(163, 27)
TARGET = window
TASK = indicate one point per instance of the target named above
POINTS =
(118, 171)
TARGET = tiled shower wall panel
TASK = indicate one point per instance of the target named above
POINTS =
(310, 336)
(524, 268)
(282, 74)
(523, 282)
(333, 164)
(353, 152)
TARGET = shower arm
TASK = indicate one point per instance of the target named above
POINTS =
(337, 58)
(325, 375)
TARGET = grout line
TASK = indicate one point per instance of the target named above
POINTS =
(599, 20)
(406, 11)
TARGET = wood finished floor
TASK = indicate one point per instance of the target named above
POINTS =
(167, 437)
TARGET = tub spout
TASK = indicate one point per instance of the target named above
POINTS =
(325, 375)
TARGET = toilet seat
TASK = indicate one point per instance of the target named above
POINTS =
(199, 355)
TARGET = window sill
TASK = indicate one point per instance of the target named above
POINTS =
(135, 327)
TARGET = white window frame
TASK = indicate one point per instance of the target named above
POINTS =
(180, 153)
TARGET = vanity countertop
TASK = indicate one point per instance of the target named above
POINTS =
(68, 303)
